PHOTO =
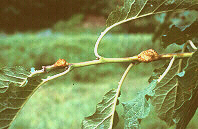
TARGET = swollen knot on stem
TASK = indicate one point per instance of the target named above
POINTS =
(148, 56)
(61, 63)
(58, 64)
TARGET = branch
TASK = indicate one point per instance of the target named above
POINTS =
(192, 45)
(180, 61)
(142, 57)
(166, 71)
(134, 59)
(120, 85)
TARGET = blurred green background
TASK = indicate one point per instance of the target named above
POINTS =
(38, 33)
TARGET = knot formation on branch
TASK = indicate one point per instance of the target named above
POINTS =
(148, 56)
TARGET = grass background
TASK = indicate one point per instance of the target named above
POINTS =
(64, 102)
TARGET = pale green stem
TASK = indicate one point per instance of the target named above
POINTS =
(109, 28)
(57, 75)
(107, 60)
(36, 72)
(167, 69)
(192, 45)
(103, 60)
(124, 76)
(180, 60)
(118, 23)
(177, 55)
(119, 88)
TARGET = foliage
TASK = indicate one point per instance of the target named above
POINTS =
(16, 87)
(103, 117)
(172, 91)
(138, 108)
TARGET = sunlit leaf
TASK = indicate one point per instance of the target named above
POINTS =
(133, 9)
(174, 94)
(138, 108)
(103, 118)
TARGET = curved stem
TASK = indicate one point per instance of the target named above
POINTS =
(98, 41)
(118, 23)
(109, 28)
(124, 76)
(57, 75)
(119, 87)
(167, 69)
(180, 60)
(192, 45)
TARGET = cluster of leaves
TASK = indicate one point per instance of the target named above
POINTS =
(174, 97)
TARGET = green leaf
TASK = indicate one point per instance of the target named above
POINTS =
(103, 118)
(189, 82)
(15, 88)
(133, 9)
(179, 36)
(174, 94)
(138, 108)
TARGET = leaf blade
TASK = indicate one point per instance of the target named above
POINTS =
(14, 94)
(103, 117)
(138, 108)
(174, 93)
(133, 9)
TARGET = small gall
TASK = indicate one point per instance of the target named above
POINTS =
(148, 56)
(61, 63)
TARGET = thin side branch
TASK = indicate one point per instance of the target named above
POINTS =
(180, 60)
(168, 68)
(192, 45)
(121, 22)
(124, 75)
(57, 75)
(119, 87)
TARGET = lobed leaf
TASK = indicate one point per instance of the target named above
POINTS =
(175, 94)
(105, 113)
(16, 87)
(133, 9)
(138, 108)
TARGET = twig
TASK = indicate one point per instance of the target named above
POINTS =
(192, 45)
(124, 76)
(57, 75)
(180, 61)
(133, 59)
(119, 87)
(167, 69)
(130, 59)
